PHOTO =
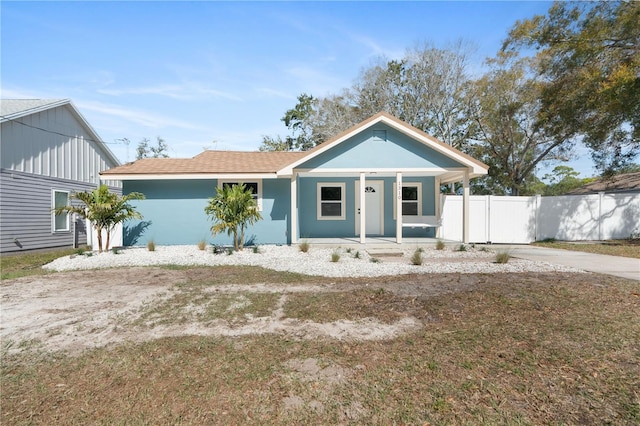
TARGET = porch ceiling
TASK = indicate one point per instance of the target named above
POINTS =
(445, 175)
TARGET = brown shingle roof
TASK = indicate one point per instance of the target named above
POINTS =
(211, 162)
(625, 182)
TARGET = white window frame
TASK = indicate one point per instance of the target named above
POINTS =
(257, 197)
(419, 200)
(54, 229)
(343, 202)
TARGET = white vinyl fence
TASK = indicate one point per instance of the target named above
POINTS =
(521, 220)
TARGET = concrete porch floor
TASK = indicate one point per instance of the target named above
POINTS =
(376, 243)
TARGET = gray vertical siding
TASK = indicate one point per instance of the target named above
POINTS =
(53, 143)
(25, 211)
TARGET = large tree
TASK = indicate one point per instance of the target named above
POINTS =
(506, 105)
(427, 88)
(147, 150)
(589, 60)
(302, 137)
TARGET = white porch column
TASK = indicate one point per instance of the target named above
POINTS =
(294, 208)
(465, 208)
(398, 196)
(363, 222)
(438, 207)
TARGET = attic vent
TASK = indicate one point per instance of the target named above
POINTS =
(369, 189)
(379, 135)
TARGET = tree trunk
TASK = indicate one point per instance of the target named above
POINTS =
(108, 239)
(99, 232)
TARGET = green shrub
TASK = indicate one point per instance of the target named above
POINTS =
(374, 260)
(202, 244)
(462, 247)
(335, 256)
(416, 259)
(356, 255)
(115, 250)
(256, 249)
(151, 246)
(439, 245)
(304, 246)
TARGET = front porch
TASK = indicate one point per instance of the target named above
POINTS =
(376, 243)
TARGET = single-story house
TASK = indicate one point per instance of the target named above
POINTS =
(622, 183)
(382, 176)
(48, 151)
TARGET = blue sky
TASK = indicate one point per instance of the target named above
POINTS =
(220, 75)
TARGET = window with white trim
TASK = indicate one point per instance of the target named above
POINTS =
(411, 199)
(331, 201)
(255, 186)
(59, 222)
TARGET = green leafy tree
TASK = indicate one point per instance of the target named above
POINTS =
(104, 209)
(563, 179)
(505, 110)
(146, 150)
(232, 210)
(588, 56)
(296, 120)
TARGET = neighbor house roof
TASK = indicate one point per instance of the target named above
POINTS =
(10, 109)
(625, 182)
(279, 163)
(14, 109)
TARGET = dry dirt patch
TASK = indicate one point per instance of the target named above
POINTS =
(76, 310)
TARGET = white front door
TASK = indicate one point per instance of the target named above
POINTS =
(373, 205)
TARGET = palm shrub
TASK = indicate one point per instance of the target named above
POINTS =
(232, 210)
(104, 209)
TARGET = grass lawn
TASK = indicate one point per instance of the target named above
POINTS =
(495, 349)
(21, 265)
(624, 248)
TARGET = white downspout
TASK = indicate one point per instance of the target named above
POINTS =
(363, 229)
(398, 196)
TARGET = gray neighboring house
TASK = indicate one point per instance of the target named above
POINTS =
(47, 151)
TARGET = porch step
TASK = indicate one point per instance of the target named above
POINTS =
(385, 252)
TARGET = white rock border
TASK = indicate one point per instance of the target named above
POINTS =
(317, 261)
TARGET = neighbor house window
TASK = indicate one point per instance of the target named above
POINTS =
(331, 200)
(254, 186)
(60, 222)
(411, 199)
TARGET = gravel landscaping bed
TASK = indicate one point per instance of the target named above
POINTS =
(317, 261)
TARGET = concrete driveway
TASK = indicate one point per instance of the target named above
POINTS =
(624, 267)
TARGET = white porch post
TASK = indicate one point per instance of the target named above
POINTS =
(294, 208)
(398, 196)
(363, 228)
(437, 200)
(465, 208)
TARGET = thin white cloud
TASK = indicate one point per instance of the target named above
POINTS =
(188, 91)
(274, 93)
(142, 118)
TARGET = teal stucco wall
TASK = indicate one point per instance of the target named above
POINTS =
(173, 213)
(366, 151)
(311, 227)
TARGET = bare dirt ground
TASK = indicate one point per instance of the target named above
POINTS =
(73, 311)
